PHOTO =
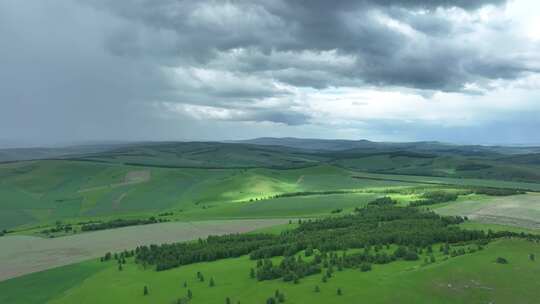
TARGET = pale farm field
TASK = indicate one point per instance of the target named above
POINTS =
(21, 254)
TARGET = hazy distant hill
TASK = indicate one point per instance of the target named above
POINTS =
(16, 154)
(206, 155)
(366, 146)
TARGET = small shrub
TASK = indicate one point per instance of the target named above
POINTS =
(365, 267)
(501, 260)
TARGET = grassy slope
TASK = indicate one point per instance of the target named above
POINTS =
(300, 206)
(46, 191)
(42, 192)
(473, 278)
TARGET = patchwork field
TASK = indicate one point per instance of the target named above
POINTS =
(26, 254)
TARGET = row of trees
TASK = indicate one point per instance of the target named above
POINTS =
(120, 223)
(66, 228)
(168, 256)
(375, 225)
(497, 191)
(435, 197)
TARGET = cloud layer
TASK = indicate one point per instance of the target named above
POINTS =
(173, 69)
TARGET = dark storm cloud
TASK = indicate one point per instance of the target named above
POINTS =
(96, 69)
(196, 32)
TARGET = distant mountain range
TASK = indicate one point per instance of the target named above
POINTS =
(310, 145)
(18, 154)
(343, 145)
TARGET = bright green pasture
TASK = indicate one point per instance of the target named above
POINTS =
(296, 206)
(472, 278)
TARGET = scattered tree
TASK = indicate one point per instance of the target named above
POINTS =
(365, 267)
(501, 260)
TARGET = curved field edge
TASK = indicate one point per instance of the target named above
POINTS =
(472, 278)
(25, 254)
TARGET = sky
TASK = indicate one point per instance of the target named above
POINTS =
(460, 71)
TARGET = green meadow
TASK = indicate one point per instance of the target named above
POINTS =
(200, 189)
(472, 278)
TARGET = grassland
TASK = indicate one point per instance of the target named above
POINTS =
(208, 188)
(472, 278)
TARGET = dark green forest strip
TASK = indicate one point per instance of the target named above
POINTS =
(441, 183)
(375, 225)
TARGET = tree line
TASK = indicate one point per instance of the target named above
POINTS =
(373, 225)
(117, 223)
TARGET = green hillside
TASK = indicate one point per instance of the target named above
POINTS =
(220, 180)
(472, 278)
(199, 185)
